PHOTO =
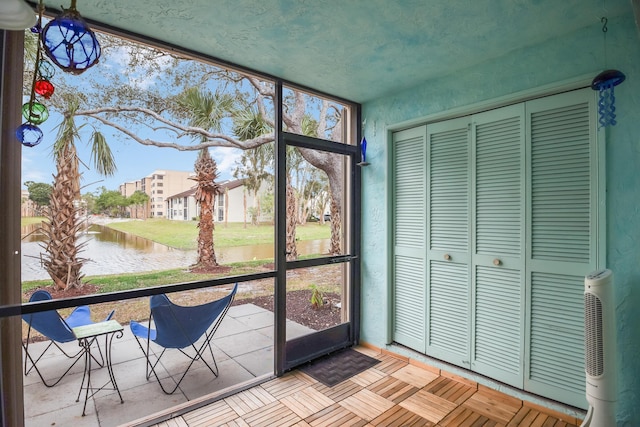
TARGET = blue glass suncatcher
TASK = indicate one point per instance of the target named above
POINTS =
(29, 134)
(604, 83)
(363, 152)
(69, 42)
(363, 147)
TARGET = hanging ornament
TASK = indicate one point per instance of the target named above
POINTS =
(363, 152)
(69, 42)
(29, 135)
(35, 112)
(604, 83)
(44, 88)
(46, 70)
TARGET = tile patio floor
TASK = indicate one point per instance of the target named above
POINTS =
(395, 392)
(243, 347)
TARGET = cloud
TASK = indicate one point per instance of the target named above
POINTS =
(119, 56)
(226, 159)
(146, 72)
(143, 82)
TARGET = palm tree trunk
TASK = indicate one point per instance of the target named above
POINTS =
(336, 221)
(291, 249)
(206, 252)
(61, 259)
(206, 173)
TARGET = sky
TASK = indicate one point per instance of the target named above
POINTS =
(133, 160)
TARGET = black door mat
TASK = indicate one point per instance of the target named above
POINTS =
(339, 366)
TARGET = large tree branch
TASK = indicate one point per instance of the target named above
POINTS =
(262, 89)
(322, 124)
(213, 140)
(192, 130)
(293, 121)
(263, 111)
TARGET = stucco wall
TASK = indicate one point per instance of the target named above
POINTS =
(537, 66)
(236, 204)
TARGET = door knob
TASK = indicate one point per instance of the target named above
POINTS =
(447, 257)
(497, 262)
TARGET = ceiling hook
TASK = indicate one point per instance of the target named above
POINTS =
(604, 24)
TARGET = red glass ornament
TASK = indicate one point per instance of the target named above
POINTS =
(44, 88)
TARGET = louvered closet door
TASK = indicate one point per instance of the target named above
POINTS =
(498, 238)
(562, 222)
(409, 236)
(449, 236)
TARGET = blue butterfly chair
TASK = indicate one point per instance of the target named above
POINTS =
(58, 331)
(181, 328)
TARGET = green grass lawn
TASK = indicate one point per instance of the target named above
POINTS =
(183, 234)
(138, 308)
(128, 281)
(31, 220)
(327, 279)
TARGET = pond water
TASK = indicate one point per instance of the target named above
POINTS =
(111, 252)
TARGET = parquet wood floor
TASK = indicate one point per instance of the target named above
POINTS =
(394, 393)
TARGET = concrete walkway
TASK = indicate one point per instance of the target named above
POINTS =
(243, 347)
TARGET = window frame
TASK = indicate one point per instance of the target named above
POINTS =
(10, 295)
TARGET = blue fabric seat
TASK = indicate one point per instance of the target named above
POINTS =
(58, 330)
(182, 328)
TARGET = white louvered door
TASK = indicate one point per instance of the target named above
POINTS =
(512, 226)
(498, 242)
(449, 237)
(562, 224)
(409, 235)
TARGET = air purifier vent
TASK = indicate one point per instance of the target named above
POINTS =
(594, 349)
(600, 349)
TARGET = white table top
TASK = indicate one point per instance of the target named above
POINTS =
(96, 329)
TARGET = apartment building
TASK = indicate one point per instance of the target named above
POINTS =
(183, 206)
(231, 205)
(157, 186)
(27, 207)
(127, 189)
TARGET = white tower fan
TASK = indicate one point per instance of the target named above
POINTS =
(600, 342)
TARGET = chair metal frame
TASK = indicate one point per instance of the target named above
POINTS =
(164, 312)
(58, 330)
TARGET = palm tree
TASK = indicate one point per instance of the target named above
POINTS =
(250, 124)
(206, 174)
(254, 163)
(61, 259)
(137, 200)
(291, 249)
(206, 110)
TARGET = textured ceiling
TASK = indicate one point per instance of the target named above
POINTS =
(355, 49)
